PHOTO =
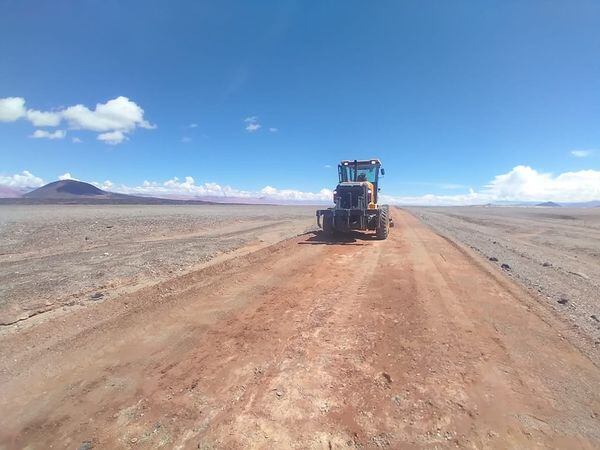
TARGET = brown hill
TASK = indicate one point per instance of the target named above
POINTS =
(70, 189)
(79, 192)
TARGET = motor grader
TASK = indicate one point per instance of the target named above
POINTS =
(356, 200)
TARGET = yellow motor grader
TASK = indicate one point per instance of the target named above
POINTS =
(356, 199)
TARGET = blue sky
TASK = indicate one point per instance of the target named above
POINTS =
(448, 94)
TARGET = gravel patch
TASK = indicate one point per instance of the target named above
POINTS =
(60, 256)
(554, 251)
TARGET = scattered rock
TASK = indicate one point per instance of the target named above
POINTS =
(595, 317)
(387, 377)
(580, 274)
(563, 301)
(87, 238)
(493, 258)
(109, 226)
(97, 296)
(133, 440)
(505, 266)
(547, 264)
(86, 445)
(381, 440)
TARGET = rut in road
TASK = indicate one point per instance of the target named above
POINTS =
(408, 341)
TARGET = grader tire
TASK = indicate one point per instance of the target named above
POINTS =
(328, 229)
(384, 223)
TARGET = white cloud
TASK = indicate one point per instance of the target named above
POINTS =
(12, 109)
(295, 195)
(187, 188)
(521, 184)
(76, 140)
(113, 119)
(112, 137)
(44, 119)
(273, 130)
(43, 134)
(327, 166)
(186, 139)
(183, 188)
(471, 198)
(581, 153)
(23, 179)
(252, 124)
(106, 186)
(525, 183)
(117, 114)
(193, 125)
(67, 176)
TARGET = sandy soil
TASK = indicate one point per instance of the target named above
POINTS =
(53, 258)
(410, 342)
(555, 252)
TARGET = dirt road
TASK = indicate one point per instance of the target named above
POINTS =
(552, 251)
(407, 342)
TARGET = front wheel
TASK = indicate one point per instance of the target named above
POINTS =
(383, 228)
(328, 229)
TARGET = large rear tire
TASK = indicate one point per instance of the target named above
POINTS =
(328, 229)
(384, 223)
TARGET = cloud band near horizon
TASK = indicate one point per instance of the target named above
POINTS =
(521, 184)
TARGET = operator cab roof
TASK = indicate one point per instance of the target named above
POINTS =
(375, 161)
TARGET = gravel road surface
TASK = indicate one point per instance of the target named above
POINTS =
(410, 342)
(555, 252)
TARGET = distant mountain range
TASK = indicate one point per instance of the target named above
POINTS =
(549, 205)
(79, 192)
(9, 192)
(592, 204)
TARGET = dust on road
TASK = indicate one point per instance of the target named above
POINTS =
(411, 341)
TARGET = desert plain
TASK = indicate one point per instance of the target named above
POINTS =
(236, 326)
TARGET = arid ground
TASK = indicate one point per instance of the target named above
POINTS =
(55, 257)
(416, 341)
(554, 252)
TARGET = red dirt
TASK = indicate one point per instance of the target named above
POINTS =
(409, 342)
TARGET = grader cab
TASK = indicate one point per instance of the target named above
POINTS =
(356, 200)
